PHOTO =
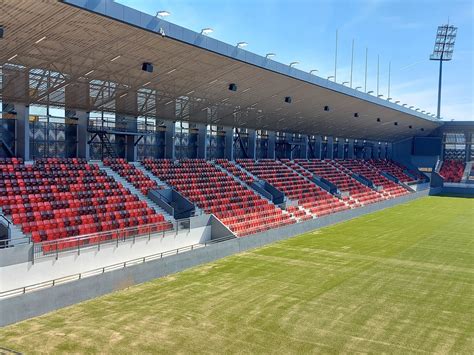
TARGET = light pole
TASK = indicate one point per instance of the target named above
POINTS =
(313, 71)
(270, 55)
(443, 52)
(292, 64)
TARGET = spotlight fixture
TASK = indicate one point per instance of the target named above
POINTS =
(370, 92)
(358, 87)
(356, 115)
(206, 31)
(395, 123)
(398, 101)
(410, 127)
(292, 64)
(148, 67)
(326, 108)
(270, 55)
(163, 13)
(313, 71)
(288, 99)
(378, 119)
(233, 87)
(422, 129)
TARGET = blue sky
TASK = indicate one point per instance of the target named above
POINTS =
(400, 32)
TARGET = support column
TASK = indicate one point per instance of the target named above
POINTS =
(252, 146)
(229, 143)
(389, 150)
(317, 147)
(330, 148)
(202, 141)
(304, 147)
(350, 153)
(169, 140)
(82, 134)
(271, 144)
(22, 131)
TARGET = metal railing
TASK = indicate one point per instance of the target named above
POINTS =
(54, 248)
(102, 270)
(10, 243)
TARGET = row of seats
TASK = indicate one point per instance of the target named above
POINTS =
(359, 194)
(364, 168)
(60, 198)
(452, 170)
(239, 208)
(397, 170)
(294, 185)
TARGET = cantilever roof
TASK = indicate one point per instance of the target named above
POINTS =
(106, 43)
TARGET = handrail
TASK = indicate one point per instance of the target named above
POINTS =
(102, 270)
(55, 247)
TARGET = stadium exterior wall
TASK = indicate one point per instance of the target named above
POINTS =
(36, 303)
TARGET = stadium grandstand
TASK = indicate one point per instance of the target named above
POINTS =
(132, 148)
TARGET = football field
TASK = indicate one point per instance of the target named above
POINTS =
(396, 281)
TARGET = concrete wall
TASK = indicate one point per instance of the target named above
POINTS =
(44, 269)
(33, 304)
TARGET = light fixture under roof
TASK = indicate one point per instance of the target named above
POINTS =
(189, 93)
(115, 58)
(270, 55)
(123, 95)
(292, 64)
(163, 13)
(147, 83)
(172, 70)
(169, 102)
(89, 72)
(242, 44)
(40, 40)
(12, 57)
(246, 90)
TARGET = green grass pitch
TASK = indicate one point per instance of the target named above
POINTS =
(396, 281)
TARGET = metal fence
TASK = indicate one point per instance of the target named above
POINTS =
(102, 270)
(54, 248)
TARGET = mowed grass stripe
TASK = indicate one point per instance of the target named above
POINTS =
(398, 281)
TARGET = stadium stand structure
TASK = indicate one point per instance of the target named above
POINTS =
(252, 169)
(452, 170)
(59, 198)
(216, 192)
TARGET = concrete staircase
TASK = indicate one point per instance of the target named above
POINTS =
(467, 172)
(236, 178)
(15, 232)
(137, 192)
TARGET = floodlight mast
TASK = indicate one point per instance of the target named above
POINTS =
(443, 51)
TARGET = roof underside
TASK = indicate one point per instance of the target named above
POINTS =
(188, 83)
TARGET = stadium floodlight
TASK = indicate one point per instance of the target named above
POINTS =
(397, 102)
(345, 82)
(381, 95)
(358, 87)
(206, 31)
(389, 98)
(423, 111)
(417, 109)
(443, 52)
(242, 44)
(411, 107)
(292, 64)
(270, 55)
(330, 77)
(163, 13)
(370, 92)
(313, 71)
(404, 105)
